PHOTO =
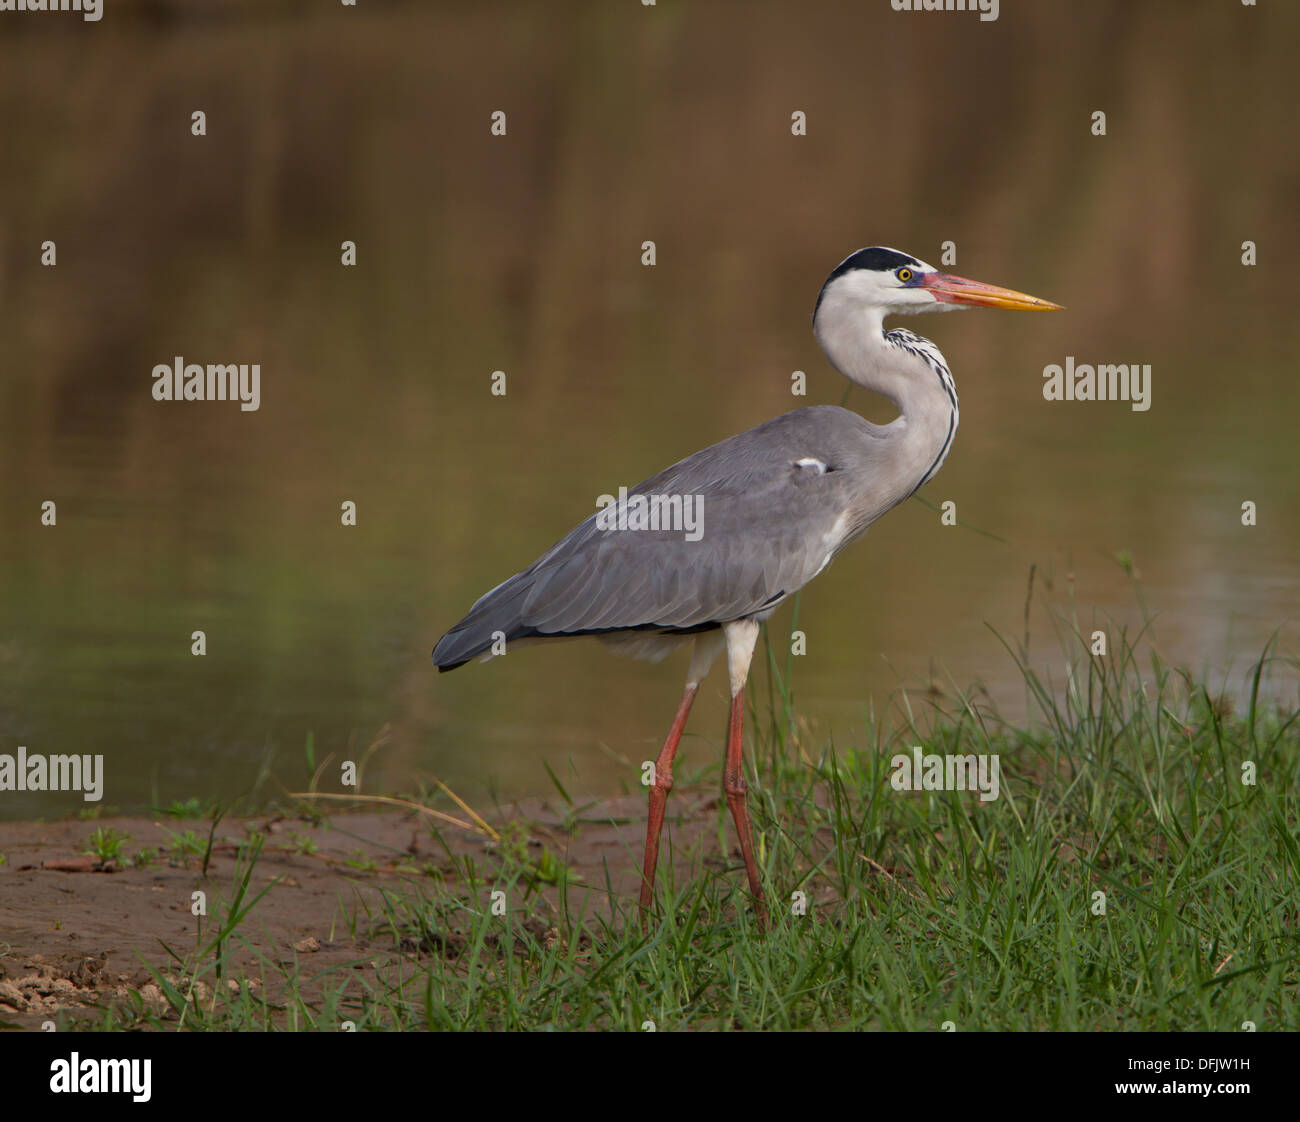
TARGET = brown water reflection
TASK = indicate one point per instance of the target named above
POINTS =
(522, 254)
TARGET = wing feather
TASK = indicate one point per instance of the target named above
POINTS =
(769, 526)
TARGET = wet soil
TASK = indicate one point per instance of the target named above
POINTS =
(78, 935)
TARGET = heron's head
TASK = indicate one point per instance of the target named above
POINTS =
(882, 281)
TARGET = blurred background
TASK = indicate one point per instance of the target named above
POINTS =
(479, 253)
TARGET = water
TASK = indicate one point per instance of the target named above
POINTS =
(522, 254)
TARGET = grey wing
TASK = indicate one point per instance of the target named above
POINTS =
(773, 504)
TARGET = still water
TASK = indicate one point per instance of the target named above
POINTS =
(522, 254)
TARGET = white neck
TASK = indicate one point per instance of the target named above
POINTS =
(854, 341)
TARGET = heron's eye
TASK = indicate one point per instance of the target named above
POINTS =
(904, 274)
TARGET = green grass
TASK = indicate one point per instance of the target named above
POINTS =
(924, 910)
(107, 844)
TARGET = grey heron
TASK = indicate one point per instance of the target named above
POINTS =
(779, 502)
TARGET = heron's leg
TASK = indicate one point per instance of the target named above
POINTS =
(741, 637)
(663, 783)
(706, 650)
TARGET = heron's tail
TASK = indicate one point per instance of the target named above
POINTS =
(495, 618)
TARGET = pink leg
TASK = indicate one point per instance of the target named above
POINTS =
(659, 798)
(733, 783)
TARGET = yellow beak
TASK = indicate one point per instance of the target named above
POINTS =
(958, 290)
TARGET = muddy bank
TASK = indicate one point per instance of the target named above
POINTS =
(79, 933)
